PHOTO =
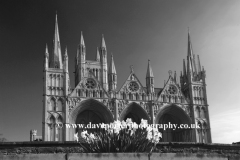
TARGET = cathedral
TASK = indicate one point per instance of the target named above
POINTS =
(96, 99)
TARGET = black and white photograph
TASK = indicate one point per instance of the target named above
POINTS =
(120, 79)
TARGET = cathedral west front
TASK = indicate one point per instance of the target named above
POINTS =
(96, 99)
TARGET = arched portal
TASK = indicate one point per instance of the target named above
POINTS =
(135, 112)
(170, 115)
(89, 111)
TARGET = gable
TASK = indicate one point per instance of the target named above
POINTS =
(172, 93)
(89, 87)
(132, 85)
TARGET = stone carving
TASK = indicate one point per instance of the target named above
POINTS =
(70, 108)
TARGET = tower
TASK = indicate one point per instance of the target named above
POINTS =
(193, 85)
(33, 134)
(55, 89)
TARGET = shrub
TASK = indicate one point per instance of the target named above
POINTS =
(121, 137)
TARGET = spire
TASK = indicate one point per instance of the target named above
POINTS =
(103, 44)
(82, 40)
(46, 58)
(194, 65)
(189, 66)
(190, 55)
(175, 76)
(66, 54)
(149, 70)
(56, 61)
(184, 68)
(199, 64)
(112, 69)
(190, 51)
(46, 51)
(97, 55)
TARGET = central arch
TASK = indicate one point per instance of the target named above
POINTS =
(172, 114)
(135, 112)
(89, 111)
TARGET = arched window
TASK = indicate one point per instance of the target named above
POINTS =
(87, 93)
(52, 105)
(130, 96)
(59, 129)
(124, 95)
(51, 128)
(202, 112)
(198, 111)
(137, 96)
(59, 105)
(200, 133)
(204, 132)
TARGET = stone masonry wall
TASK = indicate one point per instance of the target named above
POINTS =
(73, 151)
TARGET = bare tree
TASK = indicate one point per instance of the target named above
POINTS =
(2, 139)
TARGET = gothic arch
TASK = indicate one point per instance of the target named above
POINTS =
(51, 128)
(59, 130)
(52, 104)
(59, 104)
(175, 111)
(87, 111)
(175, 115)
(50, 115)
(92, 105)
(134, 111)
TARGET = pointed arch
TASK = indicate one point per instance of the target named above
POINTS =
(52, 104)
(135, 112)
(202, 112)
(59, 106)
(87, 111)
(173, 114)
(59, 130)
(92, 105)
(51, 128)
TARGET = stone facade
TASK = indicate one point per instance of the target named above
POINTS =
(72, 150)
(95, 97)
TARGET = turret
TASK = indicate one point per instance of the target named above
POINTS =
(33, 134)
(65, 60)
(175, 77)
(103, 51)
(56, 56)
(103, 61)
(46, 58)
(80, 61)
(149, 79)
(97, 55)
(112, 75)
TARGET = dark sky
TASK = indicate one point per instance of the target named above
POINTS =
(134, 31)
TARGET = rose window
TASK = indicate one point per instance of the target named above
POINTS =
(172, 90)
(90, 83)
(133, 87)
